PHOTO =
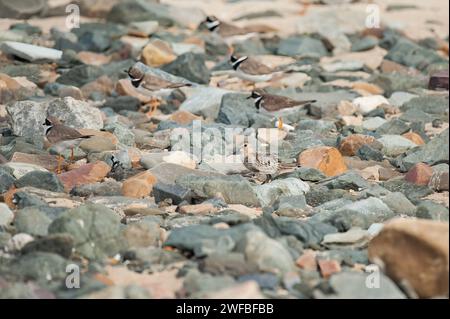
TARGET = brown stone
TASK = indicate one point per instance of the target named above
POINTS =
(415, 251)
(139, 186)
(157, 53)
(103, 85)
(414, 137)
(439, 181)
(142, 234)
(365, 87)
(85, 174)
(183, 117)
(439, 80)
(351, 144)
(124, 87)
(419, 174)
(70, 91)
(324, 158)
(200, 209)
(307, 261)
(15, 88)
(329, 267)
(107, 135)
(93, 58)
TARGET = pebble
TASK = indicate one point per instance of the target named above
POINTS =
(328, 160)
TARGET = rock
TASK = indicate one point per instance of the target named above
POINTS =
(123, 134)
(399, 204)
(6, 215)
(307, 261)
(411, 54)
(31, 53)
(419, 174)
(168, 173)
(202, 240)
(128, 103)
(373, 123)
(439, 181)
(326, 159)
(16, 89)
(22, 9)
(361, 214)
(136, 11)
(60, 244)
(204, 102)
(183, 117)
(433, 211)
(18, 241)
(77, 114)
(305, 174)
(233, 189)
(369, 103)
(439, 81)
(348, 180)
(261, 250)
(21, 169)
(271, 192)
(393, 127)
(6, 181)
(353, 285)
(354, 238)
(197, 284)
(351, 144)
(302, 46)
(107, 188)
(32, 221)
(157, 53)
(151, 160)
(85, 174)
(94, 228)
(414, 137)
(175, 193)
(97, 144)
(26, 118)
(139, 186)
(142, 234)
(394, 145)
(145, 28)
(329, 267)
(426, 268)
(41, 267)
(429, 104)
(431, 153)
(190, 66)
(246, 290)
(39, 179)
(199, 209)
(236, 109)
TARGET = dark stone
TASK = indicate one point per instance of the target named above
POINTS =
(176, 193)
(120, 103)
(348, 180)
(6, 180)
(190, 66)
(80, 75)
(60, 244)
(367, 153)
(42, 180)
(439, 81)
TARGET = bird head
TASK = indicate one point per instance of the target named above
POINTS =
(212, 23)
(235, 61)
(136, 76)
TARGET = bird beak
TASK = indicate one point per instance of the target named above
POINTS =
(280, 123)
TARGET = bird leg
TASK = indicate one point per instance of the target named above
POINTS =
(72, 156)
(60, 160)
(154, 104)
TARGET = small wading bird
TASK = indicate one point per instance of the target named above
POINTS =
(265, 165)
(222, 28)
(274, 103)
(226, 30)
(152, 83)
(251, 70)
(62, 137)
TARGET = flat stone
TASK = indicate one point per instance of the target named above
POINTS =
(6, 215)
(419, 174)
(85, 174)
(139, 186)
(30, 52)
(394, 145)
